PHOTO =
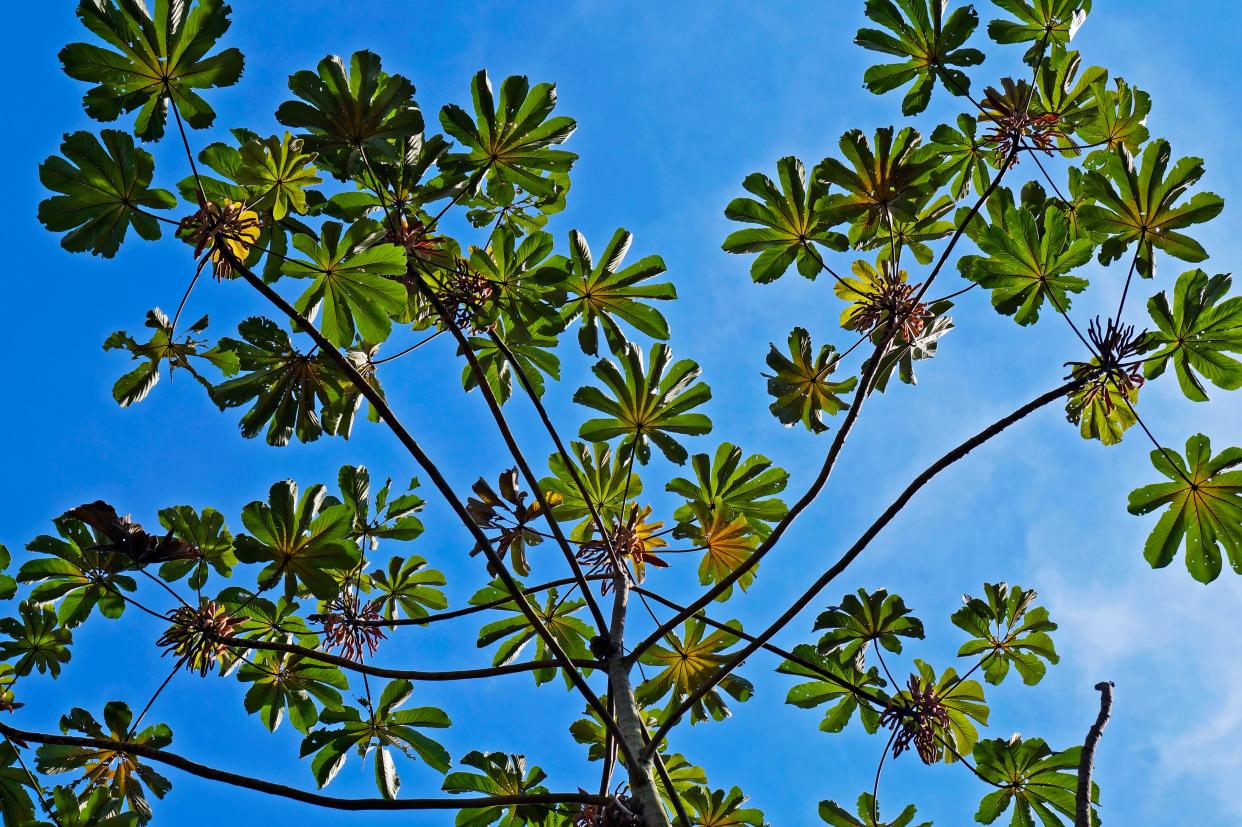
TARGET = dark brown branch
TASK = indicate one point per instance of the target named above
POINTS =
(859, 545)
(407, 674)
(480, 378)
(438, 481)
(270, 788)
(1086, 764)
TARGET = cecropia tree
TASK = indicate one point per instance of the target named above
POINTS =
(337, 225)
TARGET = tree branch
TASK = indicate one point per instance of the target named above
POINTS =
(441, 484)
(878, 525)
(270, 788)
(1086, 764)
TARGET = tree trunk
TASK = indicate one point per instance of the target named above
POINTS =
(643, 790)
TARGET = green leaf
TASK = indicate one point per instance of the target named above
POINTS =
(380, 727)
(1141, 206)
(35, 640)
(720, 808)
(125, 777)
(646, 405)
(210, 539)
(514, 632)
(1007, 629)
(606, 481)
(104, 189)
(510, 136)
(156, 59)
(689, 661)
(78, 572)
(965, 156)
(803, 391)
(1120, 117)
(841, 699)
(98, 809)
(280, 682)
(1032, 779)
(501, 774)
(876, 617)
(883, 183)
(283, 385)
(277, 173)
(1196, 333)
(408, 587)
(351, 113)
(16, 806)
(601, 296)
(349, 281)
(837, 816)
(788, 223)
(1102, 407)
(163, 347)
(927, 42)
(727, 541)
(746, 487)
(1204, 499)
(1028, 256)
(1040, 22)
(962, 700)
(300, 539)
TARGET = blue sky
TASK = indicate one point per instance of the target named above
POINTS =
(676, 103)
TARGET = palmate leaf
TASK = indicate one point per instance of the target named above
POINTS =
(98, 809)
(965, 157)
(746, 487)
(351, 113)
(928, 43)
(789, 225)
(726, 539)
(348, 281)
(8, 586)
(510, 136)
(721, 808)
(277, 173)
(526, 293)
(883, 182)
(646, 405)
(913, 235)
(380, 728)
(211, 541)
(156, 58)
(689, 661)
(803, 391)
(284, 386)
(76, 574)
(164, 348)
(1196, 333)
(126, 777)
(510, 514)
(282, 682)
(402, 173)
(902, 353)
(35, 640)
(104, 188)
(1040, 22)
(407, 588)
(500, 774)
(863, 619)
(602, 296)
(607, 482)
(842, 701)
(1031, 778)
(1120, 117)
(299, 539)
(963, 702)
(1101, 408)
(516, 631)
(1007, 629)
(1064, 94)
(1205, 513)
(837, 816)
(533, 348)
(1140, 206)
(1028, 256)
